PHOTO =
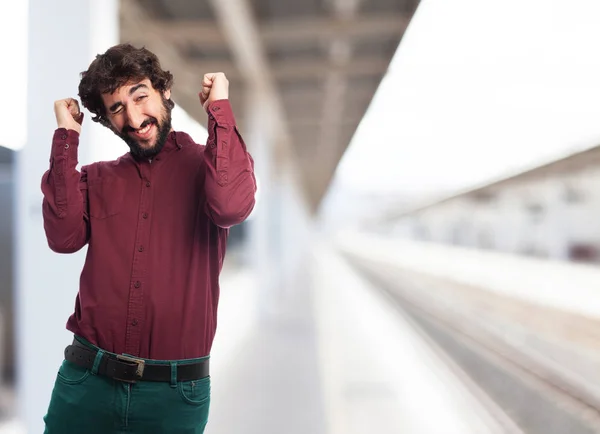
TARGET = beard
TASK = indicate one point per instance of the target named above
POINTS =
(163, 127)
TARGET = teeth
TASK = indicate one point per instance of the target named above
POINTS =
(145, 129)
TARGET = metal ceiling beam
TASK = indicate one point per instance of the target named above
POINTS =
(238, 25)
(359, 94)
(336, 88)
(285, 32)
(315, 123)
(354, 109)
(302, 69)
(134, 18)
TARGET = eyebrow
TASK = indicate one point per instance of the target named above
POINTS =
(118, 104)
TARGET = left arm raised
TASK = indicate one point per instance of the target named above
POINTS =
(230, 185)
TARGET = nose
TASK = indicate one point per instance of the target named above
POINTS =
(134, 117)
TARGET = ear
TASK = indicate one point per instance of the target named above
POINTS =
(167, 94)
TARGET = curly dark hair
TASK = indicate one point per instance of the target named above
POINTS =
(118, 66)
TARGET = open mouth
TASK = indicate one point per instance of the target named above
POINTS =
(144, 133)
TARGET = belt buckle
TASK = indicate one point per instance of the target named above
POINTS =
(140, 365)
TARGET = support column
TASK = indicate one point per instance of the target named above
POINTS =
(260, 141)
(280, 229)
(64, 37)
(296, 229)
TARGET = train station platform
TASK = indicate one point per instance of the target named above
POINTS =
(326, 355)
(370, 337)
(329, 355)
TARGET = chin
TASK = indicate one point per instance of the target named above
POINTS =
(146, 144)
(147, 147)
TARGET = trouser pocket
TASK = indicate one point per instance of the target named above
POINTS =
(80, 403)
(195, 392)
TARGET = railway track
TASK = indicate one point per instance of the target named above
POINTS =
(525, 393)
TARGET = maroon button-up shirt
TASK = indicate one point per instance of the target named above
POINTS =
(156, 233)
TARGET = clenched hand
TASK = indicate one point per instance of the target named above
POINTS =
(215, 86)
(68, 114)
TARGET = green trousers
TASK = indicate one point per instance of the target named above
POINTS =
(83, 402)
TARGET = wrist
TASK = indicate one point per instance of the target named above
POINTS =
(216, 101)
(76, 127)
(66, 135)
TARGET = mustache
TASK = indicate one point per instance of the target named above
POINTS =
(128, 129)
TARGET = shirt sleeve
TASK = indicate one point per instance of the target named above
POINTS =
(230, 184)
(64, 207)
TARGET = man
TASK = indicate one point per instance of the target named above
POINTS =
(156, 223)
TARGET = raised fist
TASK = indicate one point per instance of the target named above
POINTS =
(68, 114)
(215, 86)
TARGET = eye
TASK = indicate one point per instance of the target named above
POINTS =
(141, 97)
(117, 111)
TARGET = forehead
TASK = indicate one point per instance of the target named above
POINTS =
(127, 90)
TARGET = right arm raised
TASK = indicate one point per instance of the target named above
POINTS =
(65, 204)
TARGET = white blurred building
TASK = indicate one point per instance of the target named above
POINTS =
(550, 211)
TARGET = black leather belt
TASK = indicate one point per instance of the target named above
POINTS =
(130, 369)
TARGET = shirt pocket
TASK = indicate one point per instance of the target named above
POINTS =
(106, 197)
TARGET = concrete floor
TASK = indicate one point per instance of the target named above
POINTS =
(270, 382)
(326, 355)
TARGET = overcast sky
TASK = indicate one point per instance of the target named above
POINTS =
(477, 90)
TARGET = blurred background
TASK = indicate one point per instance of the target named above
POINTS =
(424, 256)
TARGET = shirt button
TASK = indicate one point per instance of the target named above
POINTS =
(147, 183)
(145, 215)
(64, 137)
(137, 284)
(215, 109)
(134, 322)
(140, 248)
(67, 146)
